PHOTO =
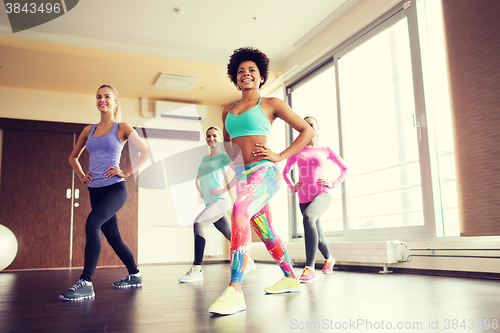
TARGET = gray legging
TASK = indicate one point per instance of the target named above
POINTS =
(314, 237)
(216, 213)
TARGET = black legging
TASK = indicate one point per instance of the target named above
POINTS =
(106, 202)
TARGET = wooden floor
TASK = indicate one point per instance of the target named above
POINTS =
(342, 301)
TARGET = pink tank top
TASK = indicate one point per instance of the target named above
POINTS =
(311, 163)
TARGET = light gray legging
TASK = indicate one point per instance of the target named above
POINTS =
(314, 237)
(216, 213)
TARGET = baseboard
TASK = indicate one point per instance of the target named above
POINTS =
(399, 270)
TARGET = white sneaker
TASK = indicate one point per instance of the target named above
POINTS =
(192, 275)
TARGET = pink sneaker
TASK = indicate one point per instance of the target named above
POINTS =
(307, 275)
(328, 266)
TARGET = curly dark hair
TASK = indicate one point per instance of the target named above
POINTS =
(248, 53)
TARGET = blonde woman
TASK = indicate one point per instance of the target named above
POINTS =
(107, 189)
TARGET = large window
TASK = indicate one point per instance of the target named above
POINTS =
(380, 139)
(368, 95)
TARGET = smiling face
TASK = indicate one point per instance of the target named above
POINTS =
(106, 100)
(248, 76)
(213, 138)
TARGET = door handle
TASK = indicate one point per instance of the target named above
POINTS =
(68, 193)
(417, 125)
(77, 194)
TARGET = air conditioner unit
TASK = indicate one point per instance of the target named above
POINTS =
(180, 111)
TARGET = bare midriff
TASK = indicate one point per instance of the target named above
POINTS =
(247, 146)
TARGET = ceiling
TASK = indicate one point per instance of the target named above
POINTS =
(127, 43)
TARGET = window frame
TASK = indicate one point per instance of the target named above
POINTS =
(401, 10)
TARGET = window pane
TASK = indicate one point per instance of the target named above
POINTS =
(317, 98)
(381, 144)
(437, 101)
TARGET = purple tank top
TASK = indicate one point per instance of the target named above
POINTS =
(104, 151)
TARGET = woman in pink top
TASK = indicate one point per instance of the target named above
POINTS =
(314, 196)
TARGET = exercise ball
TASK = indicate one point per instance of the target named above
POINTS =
(8, 247)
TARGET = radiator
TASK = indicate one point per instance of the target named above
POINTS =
(380, 252)
(383, 252)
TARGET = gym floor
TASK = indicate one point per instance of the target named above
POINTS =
(343, 301)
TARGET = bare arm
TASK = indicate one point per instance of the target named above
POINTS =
(283, 111)
(291, 118)
(75, 155)
(232, 150)
(232, 182)
(128, 133)
(228, 146)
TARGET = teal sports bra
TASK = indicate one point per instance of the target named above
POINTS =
(249, 123)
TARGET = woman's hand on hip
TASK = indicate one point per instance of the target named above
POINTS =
(217, 191)
(87, 178)
(326, 182)
(114, 171)
(262, 152)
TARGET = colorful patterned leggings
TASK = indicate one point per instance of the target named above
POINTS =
(257, 183)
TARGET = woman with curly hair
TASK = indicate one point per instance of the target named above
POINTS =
(247, 124)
